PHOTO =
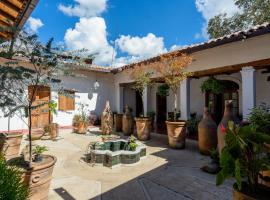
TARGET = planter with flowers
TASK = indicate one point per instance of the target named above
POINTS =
(80, 121)
(172, 69)
(243, 157)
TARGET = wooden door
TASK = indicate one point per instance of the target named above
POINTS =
(161, 109)
(41, 115)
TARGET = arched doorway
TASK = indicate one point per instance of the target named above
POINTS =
(216, 102)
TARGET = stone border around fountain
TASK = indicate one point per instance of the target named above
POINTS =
(112, 159)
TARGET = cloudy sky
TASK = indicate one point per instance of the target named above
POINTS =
(123, 31)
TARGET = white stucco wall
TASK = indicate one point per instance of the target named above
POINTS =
(84, 94)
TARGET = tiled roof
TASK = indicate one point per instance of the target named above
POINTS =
(234, 37)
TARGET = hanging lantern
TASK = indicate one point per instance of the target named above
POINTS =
(96, 85)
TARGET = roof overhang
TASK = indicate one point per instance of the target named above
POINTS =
(13, 15)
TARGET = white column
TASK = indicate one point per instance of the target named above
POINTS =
(248, 90)
(145, 100)
(119, 92)
(185, 99)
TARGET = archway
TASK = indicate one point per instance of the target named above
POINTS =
(216, 102)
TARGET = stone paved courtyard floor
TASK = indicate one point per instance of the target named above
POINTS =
(165, 174)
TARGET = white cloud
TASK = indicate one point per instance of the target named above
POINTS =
(211, 8)
(33, 24)
(90, 33)
(141, 47)
(84, 8)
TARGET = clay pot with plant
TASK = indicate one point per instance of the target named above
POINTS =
(52, 129)
(244, 158)
(142, 79)
(172, 70)
(19, 91)
(80, 121)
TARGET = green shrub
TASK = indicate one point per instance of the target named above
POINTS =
(11, 185)
(259, 118)
(243, 156)
(192, 123)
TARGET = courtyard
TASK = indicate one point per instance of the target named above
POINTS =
(164, 174)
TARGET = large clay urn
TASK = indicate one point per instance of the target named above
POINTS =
(228, 116)
(10, 144)
(39, 177)
(127, 122)
(176, 134)
(118, 118)
(143, 126)
(207, 133)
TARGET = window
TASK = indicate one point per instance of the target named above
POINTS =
(66, 100)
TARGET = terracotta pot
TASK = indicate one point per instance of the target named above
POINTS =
(118, 118)
(143, 126)
(10, 144)
(207, 133)
(176, 134)
(228, 116)
(36, 134)
(127, 122)
(80, 128)
(54, 131)
(39, 177)
(263, 194)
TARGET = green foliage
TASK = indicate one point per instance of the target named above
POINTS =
(253, 12)
(151, 114)
(40, 150)
(192, 123)
(243, 156)
(259, 118)
(132, 145)
(163, 90)
(11, 185)
(212, 85)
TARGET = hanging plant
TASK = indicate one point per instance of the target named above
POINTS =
(212, 85)
(163, 90)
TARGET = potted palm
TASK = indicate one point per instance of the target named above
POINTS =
(142, 78)
(243, 157)
(172, 69)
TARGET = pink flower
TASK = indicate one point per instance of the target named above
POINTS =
(223, 129)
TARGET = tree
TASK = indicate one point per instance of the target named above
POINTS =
(142, 78)
(39, 65)
(172, 69)
(252, 12)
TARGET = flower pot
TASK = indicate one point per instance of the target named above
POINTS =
(10, 144)
(207, 133)
(221, 131)
(54, 132)
(36, 134)
(127, 122)
(80, 128)
(39, 177)
(176, 134)
(143, 126)
(118, 118)
(263, 193)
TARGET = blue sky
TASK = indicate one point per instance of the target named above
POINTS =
(123, 31)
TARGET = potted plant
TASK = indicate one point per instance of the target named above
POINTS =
(212, 85)
(52, 129)
(172, 69)
(142, 79)
(192, 126)
(80, 121)
(11, 184)
(243, 157)
(42, 68)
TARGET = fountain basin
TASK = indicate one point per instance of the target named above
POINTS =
(113, 153)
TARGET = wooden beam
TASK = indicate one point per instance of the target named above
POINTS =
(5, 35)
(6, 20)
(16, 3)
(9, 11)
